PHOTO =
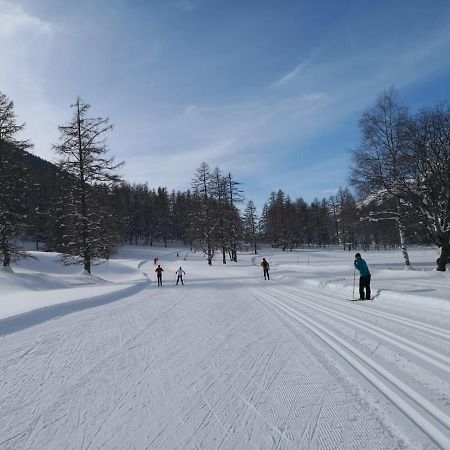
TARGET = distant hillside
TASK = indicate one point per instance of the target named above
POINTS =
(38, 169)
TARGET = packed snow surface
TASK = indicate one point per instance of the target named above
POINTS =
(228, 360)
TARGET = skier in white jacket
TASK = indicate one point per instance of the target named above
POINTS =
(179, 273)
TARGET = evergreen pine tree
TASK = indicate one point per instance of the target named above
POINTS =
(13, 183)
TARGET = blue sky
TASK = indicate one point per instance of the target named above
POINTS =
(269, 90)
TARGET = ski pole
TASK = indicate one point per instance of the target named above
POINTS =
(354, 281)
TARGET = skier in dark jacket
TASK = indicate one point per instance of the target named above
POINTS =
(159, 270)
(265, 266)
(364, 278)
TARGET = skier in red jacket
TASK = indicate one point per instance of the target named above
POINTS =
(159, 270)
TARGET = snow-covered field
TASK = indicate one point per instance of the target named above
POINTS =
(228, 360)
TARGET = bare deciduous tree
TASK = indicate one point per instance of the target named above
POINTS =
(427, 181)
(379, 161)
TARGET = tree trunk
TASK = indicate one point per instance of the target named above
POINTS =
(83, 199)
(6, 260)
(4, 250)
(224, 255)
(210, 255)
(445, 255)
(401, 231)
(87, 263)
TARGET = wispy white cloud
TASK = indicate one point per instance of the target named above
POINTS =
(298, 69)
(236, 137)
(292, 74)
(14, 19)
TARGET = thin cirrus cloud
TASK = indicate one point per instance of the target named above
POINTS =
(299, 69)
(223, 133)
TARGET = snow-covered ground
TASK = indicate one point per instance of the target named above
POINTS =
(228, 360)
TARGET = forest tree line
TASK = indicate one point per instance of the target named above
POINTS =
(83, 209)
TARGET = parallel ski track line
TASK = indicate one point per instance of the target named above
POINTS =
(427, 328)
(426, 354)
(382, 379)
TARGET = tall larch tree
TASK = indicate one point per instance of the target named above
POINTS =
(83, 151)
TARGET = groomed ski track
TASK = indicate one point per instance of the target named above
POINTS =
(407, 399)
(228, 362)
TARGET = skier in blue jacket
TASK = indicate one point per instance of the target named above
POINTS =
(364, 278)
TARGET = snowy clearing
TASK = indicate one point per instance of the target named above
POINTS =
(229, 360)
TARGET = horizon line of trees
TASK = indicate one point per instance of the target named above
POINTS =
(83, 209)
